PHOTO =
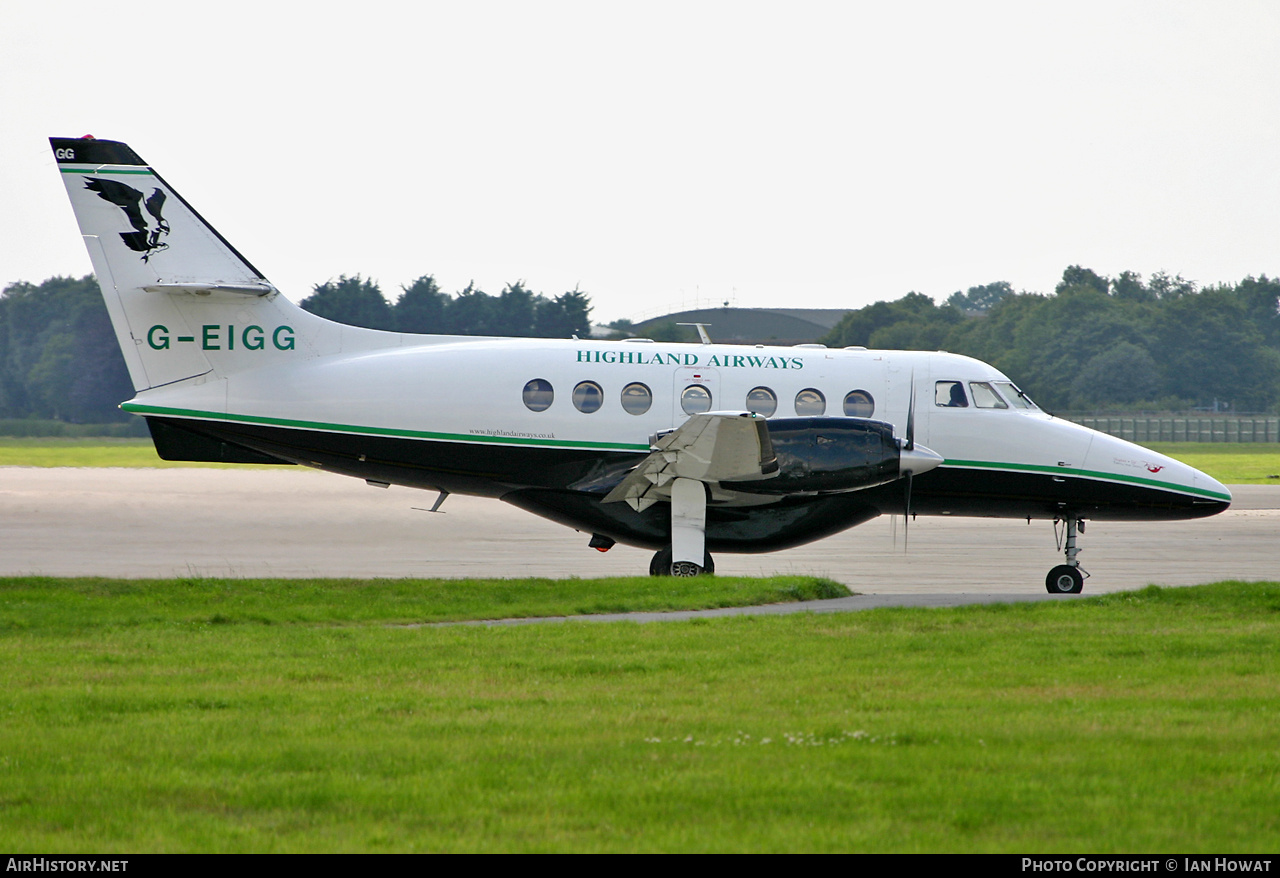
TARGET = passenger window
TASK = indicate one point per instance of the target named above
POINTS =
(588, 397)
(695, 399)
(985, 396)
(762, 401)
(636, 399)
(859, 404)
(950, 394)
(538, 395)
(810, 403)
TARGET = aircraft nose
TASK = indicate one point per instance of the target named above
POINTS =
(1134, 464)
(1210, 485)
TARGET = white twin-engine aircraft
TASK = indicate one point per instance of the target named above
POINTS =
(682, 448)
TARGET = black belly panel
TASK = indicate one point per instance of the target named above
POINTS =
(459, 467)
(1003, 494)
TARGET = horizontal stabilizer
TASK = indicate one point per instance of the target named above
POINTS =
(205, 289)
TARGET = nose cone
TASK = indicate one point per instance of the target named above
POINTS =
(1165, 481)
(1212, 487)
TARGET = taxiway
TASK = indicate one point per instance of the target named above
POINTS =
(300, 523)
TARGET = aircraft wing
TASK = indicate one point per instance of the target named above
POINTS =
(707, 448)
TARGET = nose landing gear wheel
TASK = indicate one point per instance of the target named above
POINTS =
(1067, 578)
(1064, 579)
(661, 565)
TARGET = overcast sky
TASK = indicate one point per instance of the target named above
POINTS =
(806, 154)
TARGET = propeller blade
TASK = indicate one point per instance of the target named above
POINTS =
(906, 517)
(911, 417)
(909, 446)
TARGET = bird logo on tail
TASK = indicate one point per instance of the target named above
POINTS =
(144, 238)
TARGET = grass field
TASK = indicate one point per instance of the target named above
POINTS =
(90, 602)
(208, 716)
(55, 451)
(1234, 464)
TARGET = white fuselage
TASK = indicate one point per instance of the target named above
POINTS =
(470, 391)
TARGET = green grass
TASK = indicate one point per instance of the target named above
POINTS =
(88, 603)
(57, 451)
(171, 717)
(35, 427)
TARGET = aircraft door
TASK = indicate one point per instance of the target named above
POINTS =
(697, 390)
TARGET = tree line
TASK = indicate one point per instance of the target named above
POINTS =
(1095, 343)
(58, 354)
(59, 359)
(423, 307)
(1101, 343)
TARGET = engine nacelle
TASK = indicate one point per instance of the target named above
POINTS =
(827, 455)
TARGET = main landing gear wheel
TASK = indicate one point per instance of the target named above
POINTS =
(1064, 580)
(661, 565)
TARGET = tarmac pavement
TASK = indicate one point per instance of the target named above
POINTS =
(302, 523)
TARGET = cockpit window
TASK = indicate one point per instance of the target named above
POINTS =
(950, 394)
(1016, 397)
(985, 396)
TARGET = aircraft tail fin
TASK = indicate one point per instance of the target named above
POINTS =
(183, 301)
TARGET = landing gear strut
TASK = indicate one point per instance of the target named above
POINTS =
(688, 533)
(1067, 578)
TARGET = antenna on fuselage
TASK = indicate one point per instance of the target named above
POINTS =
(436, 506)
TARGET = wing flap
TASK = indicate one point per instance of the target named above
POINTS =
(707, 448)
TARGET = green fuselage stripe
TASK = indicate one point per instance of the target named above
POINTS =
(1089, 474)
(139, 409)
